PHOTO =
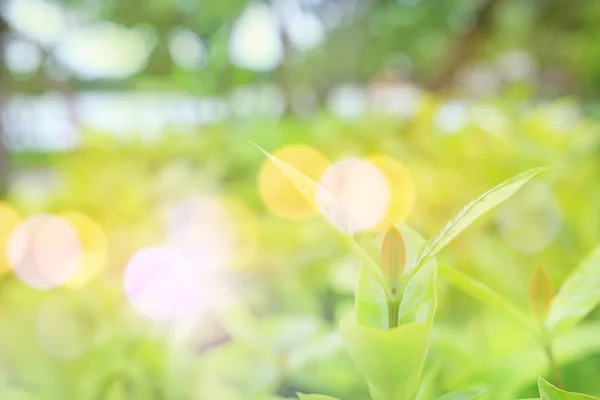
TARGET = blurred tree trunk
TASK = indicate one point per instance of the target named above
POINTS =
(466, 47)
(283, 72)
(4, 156)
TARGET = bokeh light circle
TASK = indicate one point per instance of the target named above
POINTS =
(277, 191)
(161, 284)
(403, 192)
(213, 232)
(44, 251)
(361, 193)
(9, 220)
(69, 324)
(93, 248)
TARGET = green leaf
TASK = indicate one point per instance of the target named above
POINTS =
(419, 300)
(390, 360)
(429, 384)
(471, 212)
(550, 392)
(487, 296)
(419, 297)
(579, 295)
(306, 187)
(393, 257)
(370, 302)
(464, 395)
(314, 397)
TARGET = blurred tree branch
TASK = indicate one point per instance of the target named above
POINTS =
(4, 156)
(466, 46)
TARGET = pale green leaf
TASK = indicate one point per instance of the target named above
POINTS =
(471, 212)
(550, 392)
(419, 299)
(370, 302)
(579, 295)
(314, 397)
(429, 384)
(464, 395)
(390, 360)
(307, 187)
(419, 295)
(486, 295)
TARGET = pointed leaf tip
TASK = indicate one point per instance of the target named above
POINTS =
(473, 211)
(393, 256)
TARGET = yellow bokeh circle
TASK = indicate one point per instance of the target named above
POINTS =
(9, 220)
(403, 191)
(94, 248)
(277, 191)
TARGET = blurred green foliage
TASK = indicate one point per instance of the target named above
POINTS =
(282, 336)
(283, 339)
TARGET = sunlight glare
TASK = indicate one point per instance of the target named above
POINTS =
(361, 193)
(403, 192)
(93, 248)
(44, 251)
(161, 284)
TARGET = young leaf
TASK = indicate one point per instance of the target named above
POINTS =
(550, 392)
(540, 293)
(393, 257)
(484, 294)
(390, 360)
(307, 188)
(314, 397)
(464, 395)
(418, 299)
(471, 212)
(579, 295)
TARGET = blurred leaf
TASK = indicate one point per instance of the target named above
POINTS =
(576, 297)
(315, 350)
(485, 295)
(370, 300)
(427, 388)
(390, 360)
(464, 395)
(314, 397)
(471, 212)
(540, 293)
(550, 392)
(393, 256)
(306, 186)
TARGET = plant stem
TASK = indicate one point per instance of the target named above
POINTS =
(553, 365)
(393, 306)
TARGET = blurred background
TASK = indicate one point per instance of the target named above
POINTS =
(149, 252)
